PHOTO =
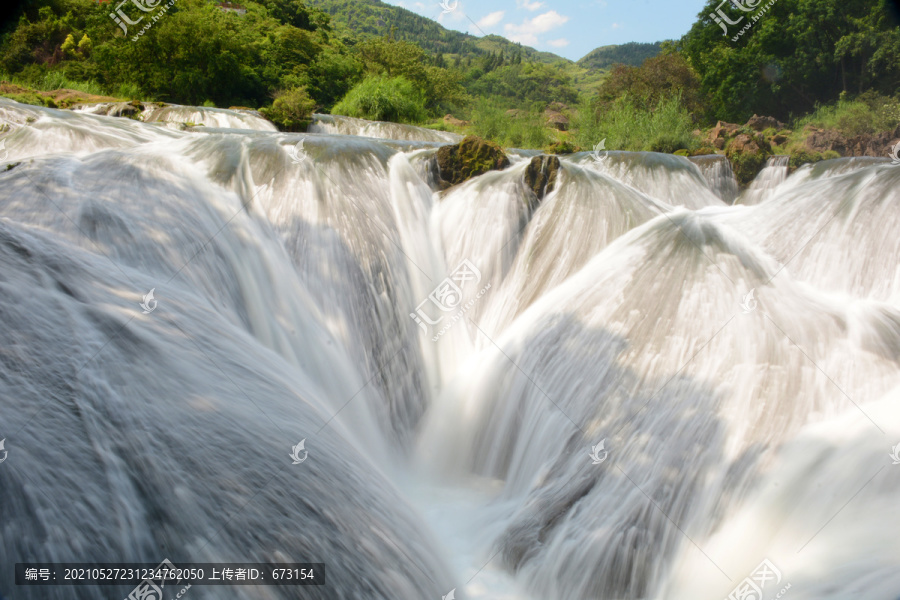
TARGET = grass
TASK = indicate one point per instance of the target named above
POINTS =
(526, 130)
(625, 126)
(868, 114)
(54, 81)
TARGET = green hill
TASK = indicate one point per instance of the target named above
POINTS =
(371, 18)
(632, 54)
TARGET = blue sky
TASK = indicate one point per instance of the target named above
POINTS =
(570, 28)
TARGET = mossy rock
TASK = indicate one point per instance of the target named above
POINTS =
(748, 155)
(540, 177)
(683, 152)
(561, 147)
(802, 156)
(667, 144)
(471, 157)
(703, 151)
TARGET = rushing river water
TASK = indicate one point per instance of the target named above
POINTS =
(630, 389)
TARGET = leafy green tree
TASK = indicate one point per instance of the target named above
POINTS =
(661, 77)
(798, 54)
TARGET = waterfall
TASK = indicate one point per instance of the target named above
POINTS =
(338, 124)
(763, 186)
(627, 389)
(176, 114)
(716, 169)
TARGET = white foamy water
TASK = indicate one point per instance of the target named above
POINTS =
(338, 124)
(736, 427)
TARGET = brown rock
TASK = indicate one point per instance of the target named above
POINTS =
(540, 176)
(824, 140)
(558, 120)
(451, 120)
(744, 144)
(757, 123)
(472, 156)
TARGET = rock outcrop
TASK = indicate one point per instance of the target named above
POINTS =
(540, 177)
(758, 123)
(472, 156)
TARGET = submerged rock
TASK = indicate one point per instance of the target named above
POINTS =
(469, 158)
(540, 176)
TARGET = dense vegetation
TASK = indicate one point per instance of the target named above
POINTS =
(824, 63)
(799, 54)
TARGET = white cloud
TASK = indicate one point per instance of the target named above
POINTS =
(532, 6)
(526, 33)
(491, 19)
(617, 26)
(560, 43)
(419, 5)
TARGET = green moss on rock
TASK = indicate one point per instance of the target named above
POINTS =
(561, 147)
(471, 157)
(748, 155)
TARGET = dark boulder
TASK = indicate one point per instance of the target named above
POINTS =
(471, 157)
(540, 176)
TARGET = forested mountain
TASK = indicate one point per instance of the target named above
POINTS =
(368, 18)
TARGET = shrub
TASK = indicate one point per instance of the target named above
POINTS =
(291, 110)
(85, 45)
(383, 98)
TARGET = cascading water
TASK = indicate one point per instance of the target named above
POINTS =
(378, 129)
(650, 392)
(763, 187)
(719, 175)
